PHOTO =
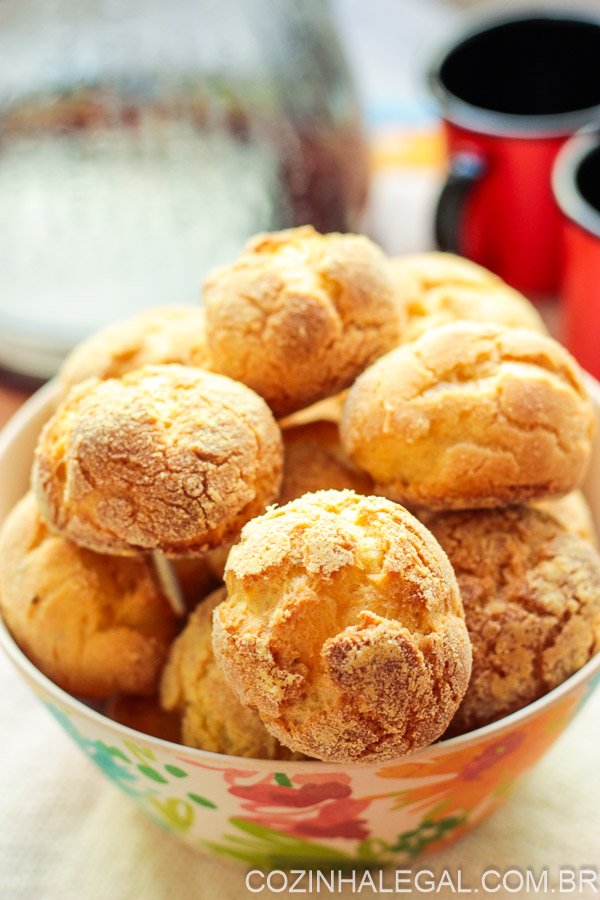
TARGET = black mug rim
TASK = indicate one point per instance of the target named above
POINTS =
(567, 195)
(499, 124)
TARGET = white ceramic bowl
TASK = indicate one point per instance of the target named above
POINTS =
(310, 813)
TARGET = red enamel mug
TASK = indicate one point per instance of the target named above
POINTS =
(512, 91)
(576, 183)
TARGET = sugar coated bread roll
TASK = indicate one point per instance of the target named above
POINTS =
(300, 314)
(314, 460)
(531, 593)
(344, 628)
(212, 716)
(165, 458)
(471, 415)
(167, 334)
(93, 624)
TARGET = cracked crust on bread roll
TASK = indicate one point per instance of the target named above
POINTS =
(165, 458)
(471, 415)
(300, 314)
(93, 624)
(343, 627)
(531, 594)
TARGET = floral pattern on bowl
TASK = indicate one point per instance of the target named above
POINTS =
(284, 814)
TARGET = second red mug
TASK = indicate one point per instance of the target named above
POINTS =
(512, 91)
(576, 182)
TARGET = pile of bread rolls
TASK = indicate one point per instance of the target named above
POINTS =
(362, 477)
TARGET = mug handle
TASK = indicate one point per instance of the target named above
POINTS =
(466, 169)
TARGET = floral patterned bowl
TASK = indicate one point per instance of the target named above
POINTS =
(276, 814)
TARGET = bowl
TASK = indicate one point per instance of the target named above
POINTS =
(281, 814)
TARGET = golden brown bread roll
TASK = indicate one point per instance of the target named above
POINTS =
(420, 272)
(300, 314)
(531, 593)
(212, 716)
(165, 458)
(471, 415)
(314, 461)
(439, 288)
(343, 627)
(442, 305)
(93, 624)
(167, 334)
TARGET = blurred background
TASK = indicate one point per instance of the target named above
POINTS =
(141, 143)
